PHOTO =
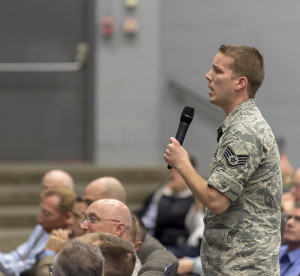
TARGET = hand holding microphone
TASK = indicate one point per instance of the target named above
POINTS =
(185, 120)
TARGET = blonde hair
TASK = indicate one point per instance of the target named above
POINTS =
(67, 197)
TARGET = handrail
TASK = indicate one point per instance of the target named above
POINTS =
(191, 96)
(77, 65)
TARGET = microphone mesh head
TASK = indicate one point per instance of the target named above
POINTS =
(187, 114)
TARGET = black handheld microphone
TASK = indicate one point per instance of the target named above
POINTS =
(185, 120)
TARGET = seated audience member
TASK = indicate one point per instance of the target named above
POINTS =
(54, 212)
(58, 238)
(289, 197)
(104, 187)
(289, 254)
(152, 253)
(78, 210)
(112, 216)
(191, 264)
(119, 254)
(195, 225)
(165, 210)
(118, 221)
(78, 258)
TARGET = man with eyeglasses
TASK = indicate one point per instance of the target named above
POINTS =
(289, 254)
(113, 216)
(109, 216)
(54, 212)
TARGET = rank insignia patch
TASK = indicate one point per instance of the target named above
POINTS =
(234, 160)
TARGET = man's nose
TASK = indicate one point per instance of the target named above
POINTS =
(208, 75)
(84, 224)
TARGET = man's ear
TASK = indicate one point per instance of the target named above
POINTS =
(241, 83)
(137, 245)
(120, 229)
(69, 218)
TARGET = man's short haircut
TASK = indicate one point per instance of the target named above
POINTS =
(119, 254)
(79, 258)
(248, 62)
(141, 229)
(133, 229)
(67, 197)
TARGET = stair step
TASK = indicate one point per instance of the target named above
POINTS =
(19, 173)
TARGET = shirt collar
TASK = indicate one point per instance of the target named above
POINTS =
(293, 255)
(235, 112)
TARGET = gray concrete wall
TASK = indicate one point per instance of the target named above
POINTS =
(128, 88)
(137, 110)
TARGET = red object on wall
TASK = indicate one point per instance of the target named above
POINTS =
(107, 26)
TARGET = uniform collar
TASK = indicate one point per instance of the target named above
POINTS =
(233, 114)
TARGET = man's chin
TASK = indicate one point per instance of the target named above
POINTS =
(212, 100)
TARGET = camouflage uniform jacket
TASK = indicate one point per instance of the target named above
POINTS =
(245, 239)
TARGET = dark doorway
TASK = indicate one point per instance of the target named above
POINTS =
(46, 80)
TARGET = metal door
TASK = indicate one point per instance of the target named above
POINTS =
(46, 80)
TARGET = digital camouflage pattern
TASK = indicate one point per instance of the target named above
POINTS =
(245, 239)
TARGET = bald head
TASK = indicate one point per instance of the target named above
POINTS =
(56, 178)
(110, 216)
(104, 187)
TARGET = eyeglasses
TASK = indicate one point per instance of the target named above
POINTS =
(94, 220)
(50, 269)
(296, 218)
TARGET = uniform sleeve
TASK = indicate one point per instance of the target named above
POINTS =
(237, 158)
(41, 267)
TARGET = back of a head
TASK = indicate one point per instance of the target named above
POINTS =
(248, 62)
(141, 229)
(105, 187)
(54, 178)
(80, 259)
(119, 255)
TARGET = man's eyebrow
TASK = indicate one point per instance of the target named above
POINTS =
(217, 67)
(90, 214)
